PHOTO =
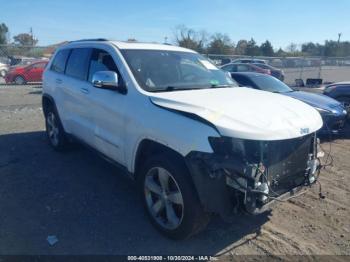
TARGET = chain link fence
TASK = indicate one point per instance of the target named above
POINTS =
(20, 65)
(23, 65)
(329, 69)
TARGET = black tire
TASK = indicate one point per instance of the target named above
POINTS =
(19, 80)
(193, 218)
(54, 129)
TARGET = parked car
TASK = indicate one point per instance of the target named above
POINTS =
(341, 92)
(276, 72)
(249, 61)
(21, 60)
(21, 75)
(3, 69)
(173, 122)
(236, 67)
(333, 113)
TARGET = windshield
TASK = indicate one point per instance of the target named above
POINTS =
(158, 70)
(272, 84)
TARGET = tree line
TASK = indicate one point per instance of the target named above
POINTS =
(219, 43)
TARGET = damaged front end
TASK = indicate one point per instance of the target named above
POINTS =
(252, 173)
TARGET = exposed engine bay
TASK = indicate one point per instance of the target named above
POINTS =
(253, 173)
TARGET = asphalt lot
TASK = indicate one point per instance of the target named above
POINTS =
(93, 208)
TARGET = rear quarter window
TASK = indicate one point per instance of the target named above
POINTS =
(59, 63)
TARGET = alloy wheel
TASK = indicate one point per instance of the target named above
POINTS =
(52, 128)
(164, 198)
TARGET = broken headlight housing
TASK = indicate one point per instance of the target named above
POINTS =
(247, 150)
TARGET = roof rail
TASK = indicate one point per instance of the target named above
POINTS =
(92, 39)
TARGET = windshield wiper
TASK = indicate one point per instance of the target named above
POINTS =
(173, 88)
(221, 86)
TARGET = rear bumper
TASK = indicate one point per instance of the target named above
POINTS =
(9, 78)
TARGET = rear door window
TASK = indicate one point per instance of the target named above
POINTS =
(59, 62)
(227, 68)
(242, 68)
(78, 63)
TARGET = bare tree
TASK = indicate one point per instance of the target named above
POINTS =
(189, 38)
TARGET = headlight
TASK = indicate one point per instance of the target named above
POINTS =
(228, 146)
(224, 145)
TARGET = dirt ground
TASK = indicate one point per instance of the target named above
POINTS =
(93, 209)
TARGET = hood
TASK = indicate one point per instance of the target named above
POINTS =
(245, 113)
(315, 100)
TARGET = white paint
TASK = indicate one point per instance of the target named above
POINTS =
(115, 124)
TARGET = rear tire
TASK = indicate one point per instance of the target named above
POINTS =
(170, 198)
(54, 130)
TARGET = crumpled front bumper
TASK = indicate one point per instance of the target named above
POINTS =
(224, 183)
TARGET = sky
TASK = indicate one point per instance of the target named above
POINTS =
(281, 22)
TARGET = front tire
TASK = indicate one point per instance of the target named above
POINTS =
(170, 198)
(19, 80)
(54, 130)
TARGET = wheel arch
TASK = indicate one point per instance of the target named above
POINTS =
(148, 147)
(47, 100)
(19, 75)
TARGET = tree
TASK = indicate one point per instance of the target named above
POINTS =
(220, 44)
(3, 34)
(25, 39)
(281, 53)
(189, 38)
(292, 48)
(131, 40)
(312, 49)
(266, 49)
(252, 48)
(241, 47)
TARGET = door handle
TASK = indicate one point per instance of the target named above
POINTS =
(58, 81)
(84, 90)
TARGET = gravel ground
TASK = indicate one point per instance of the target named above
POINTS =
(93, 209)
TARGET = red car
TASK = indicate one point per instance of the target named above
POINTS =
(243, 67)
(21, 75)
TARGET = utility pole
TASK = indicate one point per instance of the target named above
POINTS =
(338, 48)
(32, 37)
(339, 36)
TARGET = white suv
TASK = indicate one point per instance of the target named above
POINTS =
(196, 143)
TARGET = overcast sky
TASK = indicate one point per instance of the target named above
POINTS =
(282, 22)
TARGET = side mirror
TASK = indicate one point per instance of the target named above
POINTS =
(106, 80)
